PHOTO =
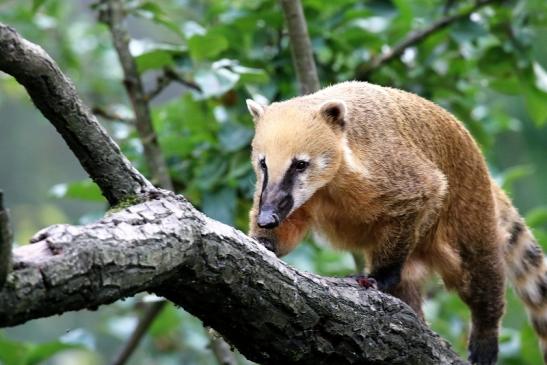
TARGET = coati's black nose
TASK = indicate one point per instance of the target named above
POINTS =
(267, 219)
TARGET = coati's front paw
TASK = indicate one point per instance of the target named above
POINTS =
(267, 242)
(365, 281)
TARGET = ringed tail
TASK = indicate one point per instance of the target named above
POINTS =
(526, 267)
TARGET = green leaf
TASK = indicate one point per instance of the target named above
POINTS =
(206, 46)
(234, 136)
(215, 81)
(541, 77)
(13, 353)
(534, 97)
(514, 174)
(153, 60)
(240, 166)
(154, 12)
(41, 352)
(153, 55)
(220, 205)
(536, 104)
(498, 63)
(466, 31)
(37, 4)
(81, 190)
(23, 353)
(537, 217)
(211, 173)
(168, 321)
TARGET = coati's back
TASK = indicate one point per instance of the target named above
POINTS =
(378, 116)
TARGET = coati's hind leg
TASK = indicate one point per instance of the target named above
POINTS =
(410, 292)
(482, 289)
(409, 289)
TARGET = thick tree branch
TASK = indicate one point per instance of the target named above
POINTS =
(228, 280)
(54, 94)
(112, 14)
(6, 238)
(413, 38)
(301, 49)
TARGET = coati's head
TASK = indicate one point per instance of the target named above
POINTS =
(297, 149)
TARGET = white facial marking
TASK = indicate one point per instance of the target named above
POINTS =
(322, 162)
(350, 160)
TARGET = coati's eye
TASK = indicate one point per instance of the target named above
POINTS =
(300, 165)
(262, 163)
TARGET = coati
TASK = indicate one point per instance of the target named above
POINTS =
(388, 174)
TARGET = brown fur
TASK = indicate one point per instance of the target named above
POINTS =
(405, 184)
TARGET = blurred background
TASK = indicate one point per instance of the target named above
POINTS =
(488, 68)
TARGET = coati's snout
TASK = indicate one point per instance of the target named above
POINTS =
(275, 205)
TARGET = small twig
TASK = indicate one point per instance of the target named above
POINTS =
(164, 80)
(161, 84)
(364, 70)
(110, 115)
(6, 237)
(144, 324)
(222, 351)
(176, 76)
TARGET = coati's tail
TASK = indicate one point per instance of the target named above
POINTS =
(526, 268)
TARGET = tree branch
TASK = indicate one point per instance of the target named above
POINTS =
(413, 38)
(301, 50)
(112, 13)
(110, 115)
(6, 238)
(225, 278)
(54, 94)
(169, 75)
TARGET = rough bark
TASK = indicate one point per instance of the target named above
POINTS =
(301, 49)
(113, 15)
(54, 94)
(271, 312)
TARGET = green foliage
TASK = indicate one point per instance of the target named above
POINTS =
(81, 190)
(26, 353)
(488, 69)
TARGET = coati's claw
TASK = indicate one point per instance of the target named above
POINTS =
(367, 282)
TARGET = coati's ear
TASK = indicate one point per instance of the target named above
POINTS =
(334, 112)
(255, 109)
